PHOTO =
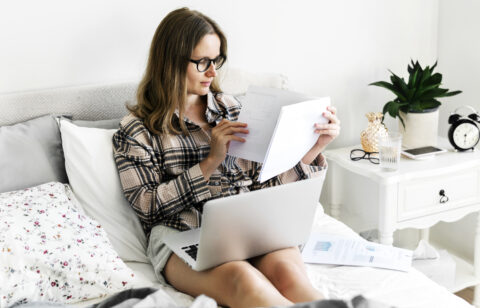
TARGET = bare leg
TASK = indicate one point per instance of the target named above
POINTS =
(285, 269)
(233, 284)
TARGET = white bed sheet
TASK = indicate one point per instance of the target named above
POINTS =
(398, 289)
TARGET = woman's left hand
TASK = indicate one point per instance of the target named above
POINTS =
(328, 131)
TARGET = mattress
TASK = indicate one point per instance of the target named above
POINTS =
(398, 289)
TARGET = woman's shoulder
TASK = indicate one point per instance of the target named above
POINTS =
(134, 127)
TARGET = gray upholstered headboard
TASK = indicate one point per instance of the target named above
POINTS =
(95, 102)
(101, 102)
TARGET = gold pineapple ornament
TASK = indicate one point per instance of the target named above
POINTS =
(375, 129)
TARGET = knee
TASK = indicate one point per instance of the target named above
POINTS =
(286, 275)
(243, 279)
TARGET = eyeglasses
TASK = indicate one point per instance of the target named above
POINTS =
(357, 154)
(204, 63)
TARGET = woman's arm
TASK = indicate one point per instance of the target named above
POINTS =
(153, 197)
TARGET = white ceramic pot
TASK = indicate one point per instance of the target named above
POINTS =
(421, 129)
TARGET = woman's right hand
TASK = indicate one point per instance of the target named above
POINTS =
(221, 136)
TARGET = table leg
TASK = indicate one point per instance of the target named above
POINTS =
(476, 264)
(335, 190)
(386, 237)
(425, 234)
(335, 211)
(387, 213)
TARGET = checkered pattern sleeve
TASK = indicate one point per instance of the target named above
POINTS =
(155, 198)
(299, 172)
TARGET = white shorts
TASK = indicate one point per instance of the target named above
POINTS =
(157, 251)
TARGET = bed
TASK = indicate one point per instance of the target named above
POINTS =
(91, 111)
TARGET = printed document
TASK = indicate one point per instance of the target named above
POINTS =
(332, 249)
(281, 128)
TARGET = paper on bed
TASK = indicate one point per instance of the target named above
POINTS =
(280, 125)
(331, 249)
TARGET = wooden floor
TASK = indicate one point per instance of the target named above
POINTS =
(466, 294)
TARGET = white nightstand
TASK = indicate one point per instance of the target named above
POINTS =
(365, 197)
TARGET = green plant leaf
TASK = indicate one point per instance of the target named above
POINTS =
(420, 93)
(385, 108)
(412, 80)
(451, 93)
(400, 84)
(415, 106)
(405, 108)
(393, 107)
(390, 87)
(411, 69)
(432, 80)
(436, 92)
(401, 120)
(430, 104)
(388, 107)
(426, 75)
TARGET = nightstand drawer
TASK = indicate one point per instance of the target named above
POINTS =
(423, 196)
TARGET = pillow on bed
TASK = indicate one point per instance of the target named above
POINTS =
(51, 251)
(94, 179)
(31, 154)
(107, 124)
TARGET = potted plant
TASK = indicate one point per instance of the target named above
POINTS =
(416, 104)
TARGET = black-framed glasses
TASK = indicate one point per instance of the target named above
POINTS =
(358, 154)
(204, 63)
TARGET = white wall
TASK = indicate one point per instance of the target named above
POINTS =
(333, 48)
(459, 62)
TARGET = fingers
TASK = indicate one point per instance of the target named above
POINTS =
(232, 130)
(225, 130)
(236, 138)
(226, 123)
(332, 109)
(329, 132)
(327, 126)
(331, 117)
(331, 129)
(229, 130)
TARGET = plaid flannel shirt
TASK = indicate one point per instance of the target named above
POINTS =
(161, 176)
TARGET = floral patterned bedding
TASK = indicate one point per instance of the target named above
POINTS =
(51, 251)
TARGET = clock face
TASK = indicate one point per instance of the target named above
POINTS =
(466, 135)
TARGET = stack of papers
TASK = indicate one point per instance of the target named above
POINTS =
(332, 249)
(281, 128)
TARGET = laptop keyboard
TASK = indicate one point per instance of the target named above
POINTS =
(191, 250)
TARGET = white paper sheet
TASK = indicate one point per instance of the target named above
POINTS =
(331, 249)
(281, 128)
(260, 110)
(294, 136)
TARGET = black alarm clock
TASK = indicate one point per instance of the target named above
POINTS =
(464, 133)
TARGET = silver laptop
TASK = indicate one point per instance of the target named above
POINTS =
(249, 224)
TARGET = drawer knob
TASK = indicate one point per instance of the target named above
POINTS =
(443, 197)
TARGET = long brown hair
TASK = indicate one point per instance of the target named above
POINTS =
(163, 87)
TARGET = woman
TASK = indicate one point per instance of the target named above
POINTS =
(171, 153)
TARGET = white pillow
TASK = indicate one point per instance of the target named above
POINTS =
(51, 251)
(94, 179)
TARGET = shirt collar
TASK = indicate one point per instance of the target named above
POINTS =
(213, 112)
